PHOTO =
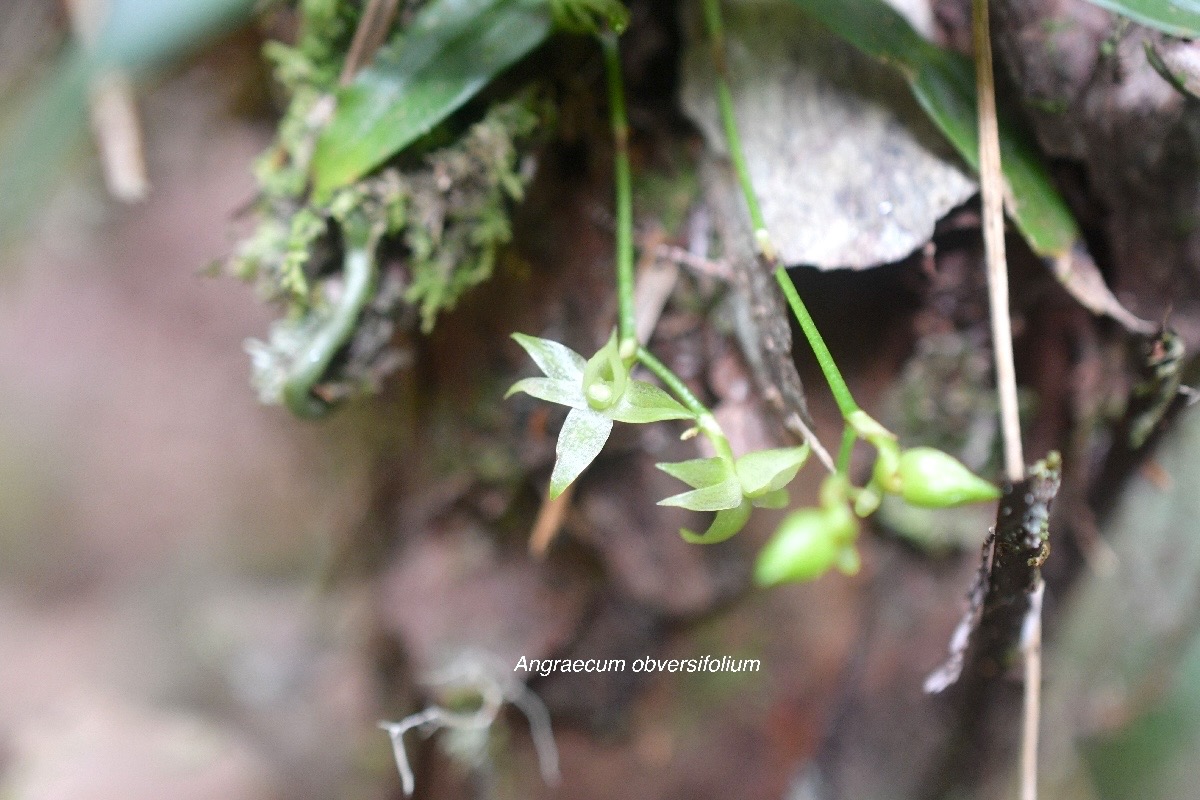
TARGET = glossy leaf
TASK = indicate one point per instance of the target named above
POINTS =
(645, 402)
(944, 84)
(582, 438)
(724, 526)
(452, 50)
(766, 471)
(554, 360)
(1176, 17)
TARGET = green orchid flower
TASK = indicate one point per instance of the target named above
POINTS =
(732, 487)
(599, 392)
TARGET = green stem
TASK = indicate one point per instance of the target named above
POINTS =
(737, 154)
(704, 418)
(849, 438)
(833, 376)
(672, 382)
(766, 250)
(624, 188)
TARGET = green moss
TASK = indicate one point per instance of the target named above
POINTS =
(458, 206)
(442, 208)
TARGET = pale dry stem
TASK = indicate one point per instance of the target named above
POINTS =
(992, 189)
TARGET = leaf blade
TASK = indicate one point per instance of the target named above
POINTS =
(1176, 17)
(452, 50)
(944, 85)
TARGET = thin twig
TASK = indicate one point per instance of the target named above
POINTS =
(653, 285)
(992, 188)
(113, 110)
(477, 672)
(549, 522)
(991, 181)
(540, 730)
(370, 34)
(1031, 647)
(118, 131)
(701, 266)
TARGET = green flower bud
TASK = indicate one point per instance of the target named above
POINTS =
(867, 502)
(933, 479)
(808, 543)
(841, 521)
(835, 491)
(848, 561)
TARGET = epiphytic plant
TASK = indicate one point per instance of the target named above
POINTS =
(600, 391)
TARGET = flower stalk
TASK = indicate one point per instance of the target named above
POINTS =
(762, 237)
(626, 336)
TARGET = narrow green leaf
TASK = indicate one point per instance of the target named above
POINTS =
(565, 393)
(944, 84)
(724, 525)
(581, 439)
(699, 471)
(769, 470)
(645, 402)
(719, 496)
(452, 50)
(555, 360)
(1176, 17)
